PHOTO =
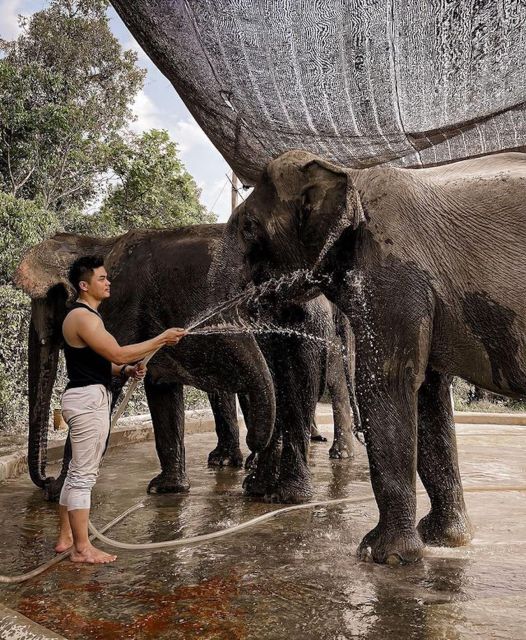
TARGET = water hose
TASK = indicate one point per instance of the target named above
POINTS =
(167, 544)
(129, 392)
(201, 539)
(50, 563)
(170, 544)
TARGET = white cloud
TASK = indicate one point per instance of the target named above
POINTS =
(147, 114)
(198, 154)
(10, 10)
(186, 132)
(189, 135)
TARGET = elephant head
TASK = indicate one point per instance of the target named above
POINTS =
(300, 210)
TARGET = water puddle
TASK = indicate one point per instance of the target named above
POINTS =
(296, 575)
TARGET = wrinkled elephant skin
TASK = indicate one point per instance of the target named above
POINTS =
(428, 266)
(159, 280)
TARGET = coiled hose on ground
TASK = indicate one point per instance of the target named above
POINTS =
(201, 539)
(208, 537)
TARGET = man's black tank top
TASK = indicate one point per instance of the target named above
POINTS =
(85, 366)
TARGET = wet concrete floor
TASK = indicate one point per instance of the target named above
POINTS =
(295, 576)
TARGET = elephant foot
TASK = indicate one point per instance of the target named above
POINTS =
(451, 530)
(225, 457)
(169, 483)
(318, 438)
(386, 547)
(340, 451)
(292, 491)
(252, 461)
(254, 485)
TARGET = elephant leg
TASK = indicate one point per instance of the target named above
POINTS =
(390, 368)
(227, 453)
(315, 435)
(388, 412)
(166, 405)
(447, 523)
(343, 445)
(263, 473)
(297, 389)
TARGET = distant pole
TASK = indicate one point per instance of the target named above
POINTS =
(235, 184)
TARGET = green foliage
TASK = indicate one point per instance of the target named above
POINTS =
(66, 92)
(14, 319)
(23, 224)
(154, 188)
(66, 89)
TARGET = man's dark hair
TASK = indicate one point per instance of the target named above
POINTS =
(82, 269)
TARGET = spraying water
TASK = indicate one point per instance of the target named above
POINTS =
(255, 294)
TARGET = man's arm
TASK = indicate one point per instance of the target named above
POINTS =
(91, 330)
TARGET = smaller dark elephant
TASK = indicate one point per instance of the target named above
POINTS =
(159, 279)
(151, 271)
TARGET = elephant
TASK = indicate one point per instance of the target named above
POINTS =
(159, 279)
(427, 266)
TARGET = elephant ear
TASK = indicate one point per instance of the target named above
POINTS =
(331, 197)
(225, 276)
(47, 264)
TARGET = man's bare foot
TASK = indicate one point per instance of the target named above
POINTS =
(64, 542)
(91, 555)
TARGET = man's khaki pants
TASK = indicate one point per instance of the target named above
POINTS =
(87, 412)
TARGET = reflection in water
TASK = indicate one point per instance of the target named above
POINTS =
(296, 576)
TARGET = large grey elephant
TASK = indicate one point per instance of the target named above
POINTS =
(428, 265)
(160, 279)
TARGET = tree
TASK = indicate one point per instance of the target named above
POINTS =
(23, 223)
(154, 188)
(66, 89)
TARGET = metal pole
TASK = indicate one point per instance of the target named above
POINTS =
(235, 186)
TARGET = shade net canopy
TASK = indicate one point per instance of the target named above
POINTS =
(361, 82)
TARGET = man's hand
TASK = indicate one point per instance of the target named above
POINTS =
(136, 371)
(173, 335)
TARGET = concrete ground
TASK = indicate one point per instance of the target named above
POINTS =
(295, 576)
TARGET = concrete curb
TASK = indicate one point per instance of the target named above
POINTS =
(139, 429)
(136, 429)
(15, 626)
(472, 417)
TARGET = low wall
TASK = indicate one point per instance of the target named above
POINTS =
(139, 428)
(135, 429)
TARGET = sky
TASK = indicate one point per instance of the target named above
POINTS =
(156, 106)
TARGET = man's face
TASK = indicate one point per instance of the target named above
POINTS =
(99, 286)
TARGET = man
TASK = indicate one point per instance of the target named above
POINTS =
(93, 356)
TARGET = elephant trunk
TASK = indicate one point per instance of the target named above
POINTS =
(259, 407)
(43, 355)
